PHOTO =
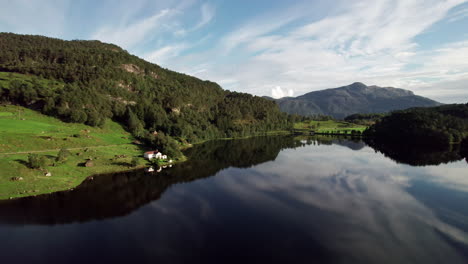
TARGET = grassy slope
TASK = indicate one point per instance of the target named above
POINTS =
(7, 77)
(330, 126)
(23, 130)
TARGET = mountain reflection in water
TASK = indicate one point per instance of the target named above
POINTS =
(275, 199)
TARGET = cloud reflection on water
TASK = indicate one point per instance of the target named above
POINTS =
(324, 203)
(356, 203)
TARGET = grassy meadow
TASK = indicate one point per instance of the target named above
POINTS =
(23, 131)
(329, 126)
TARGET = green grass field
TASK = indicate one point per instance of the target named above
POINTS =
(7, 77)
(23, 131)
(330, 126)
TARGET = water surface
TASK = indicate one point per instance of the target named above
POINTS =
(276, 199)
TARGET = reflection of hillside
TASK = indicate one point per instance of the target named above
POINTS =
(354, 144)
(349, 142)
(416, 156)
(113, 195)
(464, 149)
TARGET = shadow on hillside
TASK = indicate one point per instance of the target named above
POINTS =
(122, 163)
(22, 162)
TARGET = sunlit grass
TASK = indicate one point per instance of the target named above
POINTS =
(23, 130)
(329, 126)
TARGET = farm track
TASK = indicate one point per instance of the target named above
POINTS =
(50, 150)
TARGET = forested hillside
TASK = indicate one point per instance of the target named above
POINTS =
(89, 81)
(428, 127)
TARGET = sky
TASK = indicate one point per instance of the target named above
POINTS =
(274, 47)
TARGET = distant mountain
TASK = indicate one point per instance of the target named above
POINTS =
(355, 98)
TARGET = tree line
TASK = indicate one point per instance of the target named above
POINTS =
(364, 119)
(430, 127)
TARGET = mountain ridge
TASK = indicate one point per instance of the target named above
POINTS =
(351, 99)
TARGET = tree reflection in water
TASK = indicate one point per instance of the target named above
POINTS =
(280, 199)
(418, 155)
(118, 194)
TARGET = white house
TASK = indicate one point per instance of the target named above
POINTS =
(154, 155)
(150, 154)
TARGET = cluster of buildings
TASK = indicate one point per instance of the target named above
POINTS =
(155, 154)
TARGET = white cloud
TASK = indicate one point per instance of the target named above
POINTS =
(162, 55)
(447, 91)
(129, 35)
(459, 15)
(168, 54)
(304, 47)
(368, 41)
(278, 92)
(207, 14)
(259, 27)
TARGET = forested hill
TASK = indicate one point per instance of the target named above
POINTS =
(355, 98)
(90, 81)
(432, 127)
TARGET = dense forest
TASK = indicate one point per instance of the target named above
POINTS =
(89, 82)
(434, 127)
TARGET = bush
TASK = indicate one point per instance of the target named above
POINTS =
(62, 155)
(37, 162)
(78, 116)
(135, 161)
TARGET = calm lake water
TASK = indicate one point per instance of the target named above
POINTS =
(275, 199)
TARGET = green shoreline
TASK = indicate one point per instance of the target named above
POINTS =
(111, 148)
(78, 178)
(24, 131)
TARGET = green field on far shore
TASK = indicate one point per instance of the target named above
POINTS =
(329, 126)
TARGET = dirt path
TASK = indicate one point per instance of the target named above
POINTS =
(50, 150)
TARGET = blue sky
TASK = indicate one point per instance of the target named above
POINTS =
(274, 48)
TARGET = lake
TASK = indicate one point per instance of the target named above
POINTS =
(265, 199)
